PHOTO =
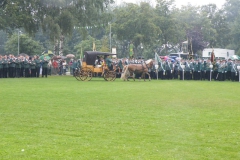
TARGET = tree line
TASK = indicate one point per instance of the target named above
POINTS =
(73, 26)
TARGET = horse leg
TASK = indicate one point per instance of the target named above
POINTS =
(149, 77)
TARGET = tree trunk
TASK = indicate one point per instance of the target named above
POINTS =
(56, 46)
(61, 45)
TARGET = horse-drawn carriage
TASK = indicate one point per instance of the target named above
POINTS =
(89, 67)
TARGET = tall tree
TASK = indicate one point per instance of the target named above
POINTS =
(136, 23)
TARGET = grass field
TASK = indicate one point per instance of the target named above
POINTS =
(62, 118)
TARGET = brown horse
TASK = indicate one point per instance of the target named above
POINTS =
(132, 69)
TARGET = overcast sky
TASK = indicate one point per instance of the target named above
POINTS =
(179, 3)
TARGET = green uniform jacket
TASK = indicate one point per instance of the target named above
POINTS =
(221, 68)
(38, 63)
(18, 63)
(5, 63)
(187, 67)
(12, 63)
(169, 66)
(1, 64)
(204, 66)
(45, 63)
(75, 64)
(32, 64)
(26, 64)
(108, 62)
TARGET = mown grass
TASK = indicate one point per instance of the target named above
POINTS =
(62, 118)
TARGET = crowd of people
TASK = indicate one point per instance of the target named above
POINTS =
(34, 66)
(23, 66)
(200, 69)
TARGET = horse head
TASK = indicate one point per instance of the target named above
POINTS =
(149, 63)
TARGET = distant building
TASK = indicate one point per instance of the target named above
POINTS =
(219, 53)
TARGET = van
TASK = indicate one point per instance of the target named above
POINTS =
(179, 55)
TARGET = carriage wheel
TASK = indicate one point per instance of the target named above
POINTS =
(110, 76)
(82, 75)
(89, 74)
(85, 74)
(77, 74)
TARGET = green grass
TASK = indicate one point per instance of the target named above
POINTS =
(62, 118)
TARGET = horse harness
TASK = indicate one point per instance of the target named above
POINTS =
(145, 64)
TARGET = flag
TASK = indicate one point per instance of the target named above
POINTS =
(157, 58)
(212, 56)
(94, 46)
(81, 54)
(131, 46)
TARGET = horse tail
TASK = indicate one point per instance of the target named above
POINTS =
(124, 72)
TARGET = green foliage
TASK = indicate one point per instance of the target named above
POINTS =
(140, 23)
(136, 23)
(26, 45)
(62, 118)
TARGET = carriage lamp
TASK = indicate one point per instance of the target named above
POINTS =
(238, 67)
(211, 66)
(183, 67)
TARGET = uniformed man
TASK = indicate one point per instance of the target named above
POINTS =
(161, 70)
(1, 67)
(169, 69)
(208, 69)
(74, 66)
(234, 71)
(27, 67)
(5, 66)
(12, 66)
(108, 62)
(181, 69)
(22, 66)
(33, 67)
(229, 66)
(203, 70)
(18, 67)
(215, 69)
(187, 70)
(45, 67)
(199, 69)
(194, 66)
(221, 71)
(175, 69)
(38, 66)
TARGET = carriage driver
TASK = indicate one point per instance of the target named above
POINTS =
(108, 62)
(98, 61)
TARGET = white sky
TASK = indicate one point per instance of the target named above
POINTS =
(179, 3)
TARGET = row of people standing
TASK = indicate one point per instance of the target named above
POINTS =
(220, 70)
(22, 66)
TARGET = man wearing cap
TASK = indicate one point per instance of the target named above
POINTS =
(203, 70)
(221, 71)
(234, 71)
(181, 69)
(229, 66)
(5, 66)
(187, 69)
(208, 69)
(169, 69)
(1, 67)
(18, 66)
(108, 62)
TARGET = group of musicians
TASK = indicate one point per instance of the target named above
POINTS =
(22, 66)
(201, 69)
